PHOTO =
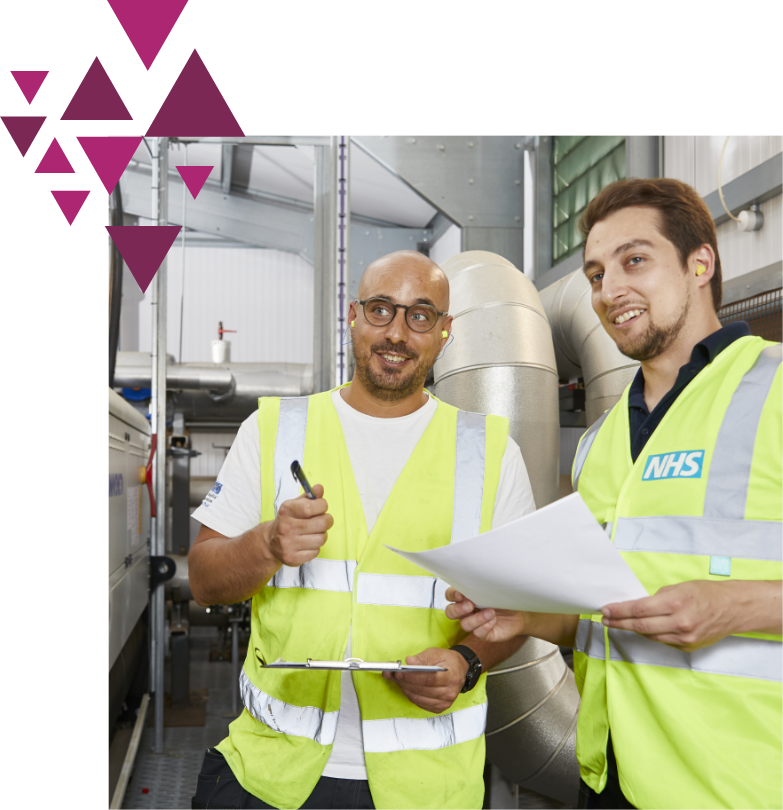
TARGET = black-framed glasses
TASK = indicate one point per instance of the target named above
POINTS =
(381, 311)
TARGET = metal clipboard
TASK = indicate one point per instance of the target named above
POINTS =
(353, 665)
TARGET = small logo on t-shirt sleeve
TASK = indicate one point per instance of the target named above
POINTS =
(212, 494)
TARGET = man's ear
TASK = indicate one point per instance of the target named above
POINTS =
(702, 264)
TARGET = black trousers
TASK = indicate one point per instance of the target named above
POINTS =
(611, 797)
(218, 787)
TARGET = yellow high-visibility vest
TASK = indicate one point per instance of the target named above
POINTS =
(703, 501)
(279, 745)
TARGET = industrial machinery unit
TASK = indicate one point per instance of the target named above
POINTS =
(129, 527)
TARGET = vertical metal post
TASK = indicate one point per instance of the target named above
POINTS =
(343, 253)
(324, 268)
(641, 156)
(158, 420)
(542, 183)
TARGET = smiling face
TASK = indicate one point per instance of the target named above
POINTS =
(640, 289)
(392, 361)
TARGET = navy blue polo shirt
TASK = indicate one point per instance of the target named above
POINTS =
(641, 421)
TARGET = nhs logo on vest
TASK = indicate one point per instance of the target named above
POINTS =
(682, 464)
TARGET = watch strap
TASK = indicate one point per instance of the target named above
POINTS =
(474, 666)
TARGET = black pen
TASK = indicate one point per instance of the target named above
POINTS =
(299, 475)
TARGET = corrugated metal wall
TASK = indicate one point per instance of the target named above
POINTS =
(695, 161)
(213, 447)
(266, 295)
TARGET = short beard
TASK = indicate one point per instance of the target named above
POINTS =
(657, 339)
(389, 386)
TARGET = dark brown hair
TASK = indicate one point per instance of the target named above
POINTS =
(685, 219)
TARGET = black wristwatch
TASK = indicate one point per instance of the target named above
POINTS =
(474, 666)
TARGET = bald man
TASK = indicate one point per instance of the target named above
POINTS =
(398, 468)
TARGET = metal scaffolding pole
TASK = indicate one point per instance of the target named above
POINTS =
(158, 421)
(324, 266)
(344, 257)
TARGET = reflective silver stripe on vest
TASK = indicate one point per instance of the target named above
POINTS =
(584, 447)
(729, 476)
(469, 475)
(296, 721)
(675, 534)
(318, 574)
(590, 639)
(734, 655)
(424, 733)
(401, 591)
(289, 446)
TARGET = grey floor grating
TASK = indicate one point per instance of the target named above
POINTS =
(170, 778)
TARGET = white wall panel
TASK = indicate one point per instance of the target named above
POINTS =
(210, 461)
(742, 252)
(266, 295)
(447, 246)
(694, 160)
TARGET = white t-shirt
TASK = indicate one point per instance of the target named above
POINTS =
(236, 508)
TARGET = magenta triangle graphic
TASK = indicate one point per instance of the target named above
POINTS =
(143, 248)
(96, 99)
(23, 129)
(195, 107)
(70, 203)
(54, 161)
(147, 23)
(194, 177)
(109, 156)
(29, 81)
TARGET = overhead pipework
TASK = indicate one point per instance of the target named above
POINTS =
(226, 392)
(502, 361)
(582, 347)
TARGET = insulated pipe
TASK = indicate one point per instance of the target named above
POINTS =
(502, 361)
(582, 347)
(227, 392)
(134, 370)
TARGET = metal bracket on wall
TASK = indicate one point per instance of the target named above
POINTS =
(162, 569)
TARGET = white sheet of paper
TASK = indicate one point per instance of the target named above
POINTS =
(555, 560)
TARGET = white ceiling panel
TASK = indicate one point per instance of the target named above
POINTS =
(287, 171)
(377, 193)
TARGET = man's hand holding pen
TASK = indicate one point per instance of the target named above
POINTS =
(296, 535)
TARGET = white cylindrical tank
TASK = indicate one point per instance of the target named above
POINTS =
(221, 351)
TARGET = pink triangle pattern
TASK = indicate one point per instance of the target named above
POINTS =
(147, 23)
(194, 177)
(96, 98)
(195, 107)
(143, 248)
(54, 161)
(70, 203)
(23, 129)
(109, 156)
(29, 82)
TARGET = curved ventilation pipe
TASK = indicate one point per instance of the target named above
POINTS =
(582, 347)
(502, 361)
(226, 392)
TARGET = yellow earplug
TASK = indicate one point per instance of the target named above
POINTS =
(700, 268)
(444, 333)
(352, 324)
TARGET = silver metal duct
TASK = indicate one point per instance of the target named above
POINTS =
(502, 361)
(227, 392)
(582, 347)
